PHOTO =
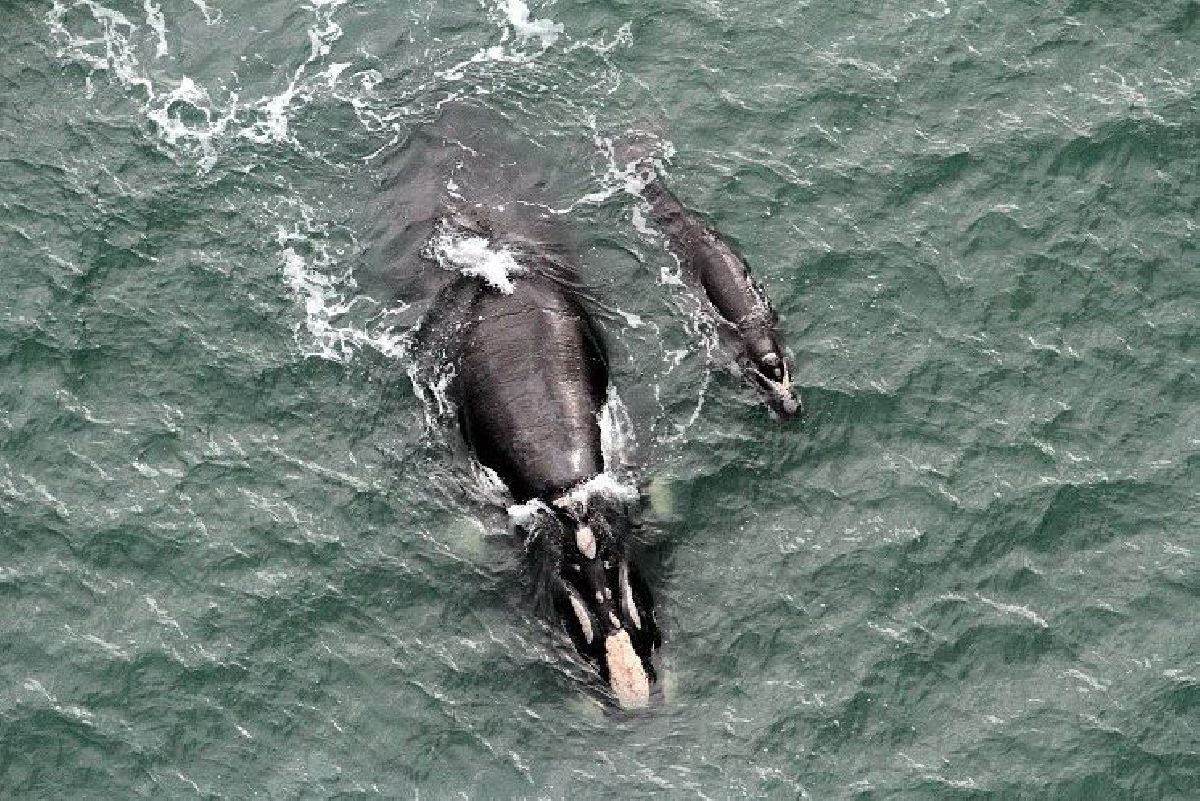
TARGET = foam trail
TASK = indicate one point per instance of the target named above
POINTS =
(616, 431)
(209, 17)
(333, 309)
(513, 17)
(191, 119)
(157, 23)
(604, 485)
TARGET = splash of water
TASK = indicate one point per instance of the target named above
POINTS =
(475, 256)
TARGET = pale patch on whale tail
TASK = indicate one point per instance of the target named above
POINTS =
(626, 676)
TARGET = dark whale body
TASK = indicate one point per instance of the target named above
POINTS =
(529, 371)
(530, 381)
(711, 262)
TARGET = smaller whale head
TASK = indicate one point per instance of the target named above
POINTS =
(605, 606)
(766, 365)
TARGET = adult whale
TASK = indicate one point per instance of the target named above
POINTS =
(530, 380)
(710, 261)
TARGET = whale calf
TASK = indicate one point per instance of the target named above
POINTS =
(530, 381)
(709, 261)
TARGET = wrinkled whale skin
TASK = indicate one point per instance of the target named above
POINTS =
(531, 381)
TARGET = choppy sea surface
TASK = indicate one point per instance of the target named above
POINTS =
(237, 560)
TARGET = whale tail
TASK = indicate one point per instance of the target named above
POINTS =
(602, 601)
(639, 154)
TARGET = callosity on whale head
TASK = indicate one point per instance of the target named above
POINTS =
(602, 601)
(766, 365)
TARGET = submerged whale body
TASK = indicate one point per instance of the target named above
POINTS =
(530, 381)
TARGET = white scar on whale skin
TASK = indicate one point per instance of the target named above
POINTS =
(625, 672)
(627, 596)
(581, 614)
(585, 541)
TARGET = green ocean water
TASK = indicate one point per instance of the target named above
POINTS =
(237, 560)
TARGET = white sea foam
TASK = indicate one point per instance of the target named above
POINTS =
(604, 485)
(617, 439)
(209, 17)
(334, 326)
(1015, 609)
(515, 21)
(518, 14)
(158, 23)
(476, 256)
(191, 119)
(525, 514)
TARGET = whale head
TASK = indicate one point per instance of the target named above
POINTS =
(766, 365)
(606, 607)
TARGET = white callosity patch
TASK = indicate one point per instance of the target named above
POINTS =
(626, 590)
(585, 541)
(581, 613)
(626, 674)
(475, 256)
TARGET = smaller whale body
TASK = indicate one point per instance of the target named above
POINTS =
(530, 381)
(710, 262)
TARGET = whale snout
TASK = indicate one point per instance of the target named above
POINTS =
(626, 672)
(607, 610)
(772, 377)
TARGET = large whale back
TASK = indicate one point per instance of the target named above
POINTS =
(530, 385)
(527, 371)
